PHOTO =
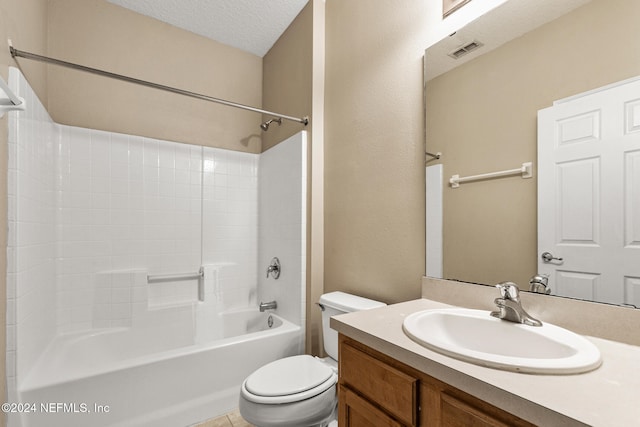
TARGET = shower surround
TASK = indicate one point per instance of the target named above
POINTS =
(93, 213)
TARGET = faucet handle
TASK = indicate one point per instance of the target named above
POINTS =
(274, 268)
(509, 290)
(540, 284)
(542, 279)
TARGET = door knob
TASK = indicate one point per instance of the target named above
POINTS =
(548, 257)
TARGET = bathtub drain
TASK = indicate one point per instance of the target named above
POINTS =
(270, 321)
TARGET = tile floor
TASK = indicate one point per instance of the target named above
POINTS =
(230, 420)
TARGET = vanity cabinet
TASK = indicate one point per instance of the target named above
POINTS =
(376, 390)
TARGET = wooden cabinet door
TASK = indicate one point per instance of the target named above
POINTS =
(378, 391)
(392, 390)
(445, 406)
(354, 411)
(456, 413)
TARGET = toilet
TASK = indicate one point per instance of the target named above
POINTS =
(300, 391)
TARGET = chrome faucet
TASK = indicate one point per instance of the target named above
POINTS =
(540, 284)
(509, 306)
(271, 305)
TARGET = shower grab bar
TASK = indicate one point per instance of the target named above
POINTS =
(160, 278)
(12, 102)
(174, 277)
(524, 170)
(27, 55)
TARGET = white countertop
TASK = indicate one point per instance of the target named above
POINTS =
(606, 397)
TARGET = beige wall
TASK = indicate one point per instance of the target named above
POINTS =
(482, 117)
(24, 22)
(98, 34)
(374, 142)
(287, 77)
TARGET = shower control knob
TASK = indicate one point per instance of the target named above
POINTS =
(274, 268)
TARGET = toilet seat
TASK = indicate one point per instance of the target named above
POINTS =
(287, 380)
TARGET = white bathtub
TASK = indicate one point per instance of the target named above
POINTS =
(149, 376)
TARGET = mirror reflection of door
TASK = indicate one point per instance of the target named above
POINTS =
(450, 6)
(588, 143)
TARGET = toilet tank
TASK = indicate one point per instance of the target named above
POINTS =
(334, 303)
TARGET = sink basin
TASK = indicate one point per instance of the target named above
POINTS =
(477, 337)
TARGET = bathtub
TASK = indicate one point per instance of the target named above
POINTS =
(145, 376)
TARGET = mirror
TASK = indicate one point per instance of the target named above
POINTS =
(481, 114)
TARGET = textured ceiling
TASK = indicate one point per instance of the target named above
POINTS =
(251, 25)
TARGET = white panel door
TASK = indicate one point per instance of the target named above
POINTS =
(589, 194)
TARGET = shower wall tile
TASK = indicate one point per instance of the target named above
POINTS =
(118, 298)
(125, 202)
(282, 226)
(230, 222)
(31, 235)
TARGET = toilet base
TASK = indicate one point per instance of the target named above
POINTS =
(318, 411)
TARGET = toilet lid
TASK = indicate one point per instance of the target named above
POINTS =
(291, 375)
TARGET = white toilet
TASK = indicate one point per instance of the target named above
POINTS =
(300, 391)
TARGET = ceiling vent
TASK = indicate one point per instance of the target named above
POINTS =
(465, 48)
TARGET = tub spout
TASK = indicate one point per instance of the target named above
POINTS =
(271, 305)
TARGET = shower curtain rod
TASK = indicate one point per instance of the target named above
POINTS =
(27, 55)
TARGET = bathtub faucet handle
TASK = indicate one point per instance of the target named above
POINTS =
(274, 268)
